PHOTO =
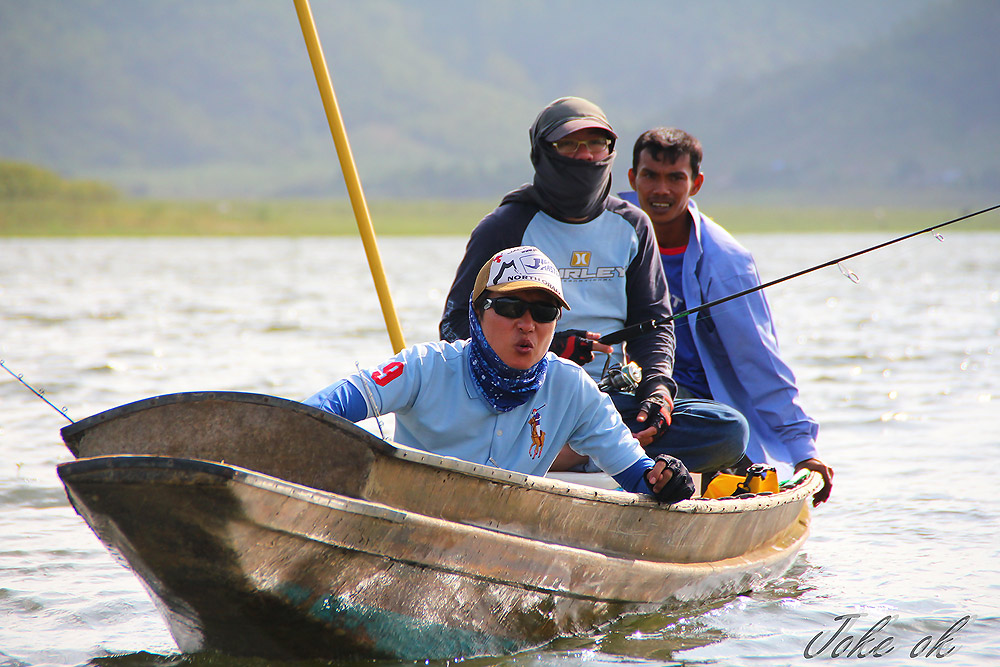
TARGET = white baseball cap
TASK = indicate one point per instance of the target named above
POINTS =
(523, 267)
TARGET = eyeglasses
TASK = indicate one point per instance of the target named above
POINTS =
(513, 308)
(569, 147)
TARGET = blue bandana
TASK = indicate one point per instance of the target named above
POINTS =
(503, 387)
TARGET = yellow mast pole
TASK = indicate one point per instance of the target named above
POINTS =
(350, 172)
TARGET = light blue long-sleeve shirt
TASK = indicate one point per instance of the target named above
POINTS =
(439, 409)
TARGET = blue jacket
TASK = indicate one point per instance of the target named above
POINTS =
(738, 347)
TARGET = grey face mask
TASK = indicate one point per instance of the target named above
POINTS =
(567, 188)
(564, 187)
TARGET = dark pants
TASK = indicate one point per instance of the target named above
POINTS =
(705, 435)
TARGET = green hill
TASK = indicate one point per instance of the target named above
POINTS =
(913, 115)
(816, 100)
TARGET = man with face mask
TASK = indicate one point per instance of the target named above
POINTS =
(607, 257)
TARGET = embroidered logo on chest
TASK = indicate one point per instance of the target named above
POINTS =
(537, 434)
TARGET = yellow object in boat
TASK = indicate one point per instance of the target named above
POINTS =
(759, 479)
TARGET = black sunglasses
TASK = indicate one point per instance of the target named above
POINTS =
(513, 308)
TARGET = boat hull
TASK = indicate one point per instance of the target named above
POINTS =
(301, 444)
(265, 527)
(247, 564)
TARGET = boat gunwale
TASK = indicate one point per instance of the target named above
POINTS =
(803, 486)
(72, 433)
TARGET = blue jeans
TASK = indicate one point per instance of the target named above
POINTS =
(705, 435)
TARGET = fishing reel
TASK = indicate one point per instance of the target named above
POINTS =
(620, 378)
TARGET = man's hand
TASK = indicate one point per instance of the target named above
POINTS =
(578, 345)
(826, 471)
(658, 476)
(670, 480)
(654, 411)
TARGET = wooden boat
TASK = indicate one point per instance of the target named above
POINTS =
(265, 527)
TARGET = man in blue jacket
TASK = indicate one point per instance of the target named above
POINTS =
(606, 254)
(731, 353)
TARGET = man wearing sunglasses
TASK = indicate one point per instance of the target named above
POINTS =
(501, 398)
(606, 253)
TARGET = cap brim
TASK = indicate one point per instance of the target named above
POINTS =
(579, 124)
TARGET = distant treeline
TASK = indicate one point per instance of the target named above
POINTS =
(36, 202)
(25, 181)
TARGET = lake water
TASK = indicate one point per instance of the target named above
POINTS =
(901, 369)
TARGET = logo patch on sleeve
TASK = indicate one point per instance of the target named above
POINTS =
(388, 373)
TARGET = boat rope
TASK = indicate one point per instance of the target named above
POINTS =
(39, 394)
(630, 332)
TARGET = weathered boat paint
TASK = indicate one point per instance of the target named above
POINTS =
(301, 444)
(339, 544)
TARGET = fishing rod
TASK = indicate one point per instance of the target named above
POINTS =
(630, 332)
(39, 394)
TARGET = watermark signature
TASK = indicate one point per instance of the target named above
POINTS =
(877, 641)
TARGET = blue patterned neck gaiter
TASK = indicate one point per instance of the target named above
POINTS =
(503, 387)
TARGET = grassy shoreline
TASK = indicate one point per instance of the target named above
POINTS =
(139, 218)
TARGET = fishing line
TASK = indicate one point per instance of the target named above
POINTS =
(371, 399)
(39, 394)
(628, 333)
(857, 271)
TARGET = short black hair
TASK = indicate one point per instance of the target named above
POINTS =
(668, 143)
